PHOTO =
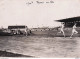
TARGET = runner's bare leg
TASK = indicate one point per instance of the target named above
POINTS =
(71, 35)
(63, 33)
(76, 32)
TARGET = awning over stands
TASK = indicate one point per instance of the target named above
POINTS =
(69, 22)
(73, 19)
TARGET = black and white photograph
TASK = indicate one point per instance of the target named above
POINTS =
(40, 28)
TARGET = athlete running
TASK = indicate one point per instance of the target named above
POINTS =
(62, 29)
(74, 30)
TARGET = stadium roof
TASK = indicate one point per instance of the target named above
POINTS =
(72, 19)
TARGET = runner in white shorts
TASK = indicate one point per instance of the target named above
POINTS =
(62, 29)
(74, 30)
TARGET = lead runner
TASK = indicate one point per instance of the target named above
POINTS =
(74, 30)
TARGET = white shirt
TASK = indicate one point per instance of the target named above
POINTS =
(62, 26)
(74, 27)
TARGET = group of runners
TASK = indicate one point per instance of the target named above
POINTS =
(74, 31)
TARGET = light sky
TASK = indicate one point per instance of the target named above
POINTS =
(18, 12)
